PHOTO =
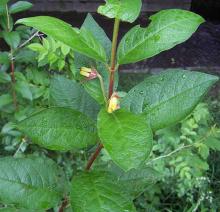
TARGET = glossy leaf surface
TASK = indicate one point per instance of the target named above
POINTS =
(100, 192)
(126, 137)
(167, 29)
(168, 97)
(60, 129)
(31, 183)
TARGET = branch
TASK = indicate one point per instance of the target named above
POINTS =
(170, 154)
(94, 156)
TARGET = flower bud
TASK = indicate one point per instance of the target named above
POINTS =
(89, 73)
(114, 103)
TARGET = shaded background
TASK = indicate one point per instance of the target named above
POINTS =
(201, 52)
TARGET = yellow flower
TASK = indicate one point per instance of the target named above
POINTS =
(114, 103)
(89, 73)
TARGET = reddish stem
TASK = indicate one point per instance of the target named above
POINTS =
(63, 206)
(13, 82)
(94, 156)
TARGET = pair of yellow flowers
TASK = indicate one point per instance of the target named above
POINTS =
(114, 101)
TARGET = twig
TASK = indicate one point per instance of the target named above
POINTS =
(64, 205)
(94, 156)
(27, 41)
(170, 154)
(12, 63)
(19, 148)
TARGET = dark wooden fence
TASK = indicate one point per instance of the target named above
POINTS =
(91, 5)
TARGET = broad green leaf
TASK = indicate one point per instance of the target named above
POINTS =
(126, 137)
(167, 29)
(32, 183)
(99, 192)
(68, 93)
(20, 6)
(12, 38)
(168, 97)
(125, 10)
(91, 25)
(60, 129)
(81, 40)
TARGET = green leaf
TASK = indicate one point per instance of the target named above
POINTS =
(126, 137)
(3, 6)
(12, 38)
(5, 100)
(23, 88)
(60, 129)
(10, 209)
(4, 77)
(91, 25)
(37, 47)
(213, 143)
(99, 192)
(4, 58)
(168, 97)
(125, 10)
(167, 29)
(68, 93)
(134, 181)
(81, 41)
(20, 6)
(31, 183)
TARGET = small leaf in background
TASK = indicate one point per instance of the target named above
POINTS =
(68, 93)
(167, 29)
(20, 6)
(3, 6)
(126, 137)
(5, 100)
(31, 183)
(135, 181)
(59, 129)
(168, 97)
(23, 88)
(12, 38)
(99, 192)
(125, 10)
(4, 77)
(81, 41)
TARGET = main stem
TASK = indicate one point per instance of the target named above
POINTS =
(112, 70)
(13, 81)
(113, 57)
